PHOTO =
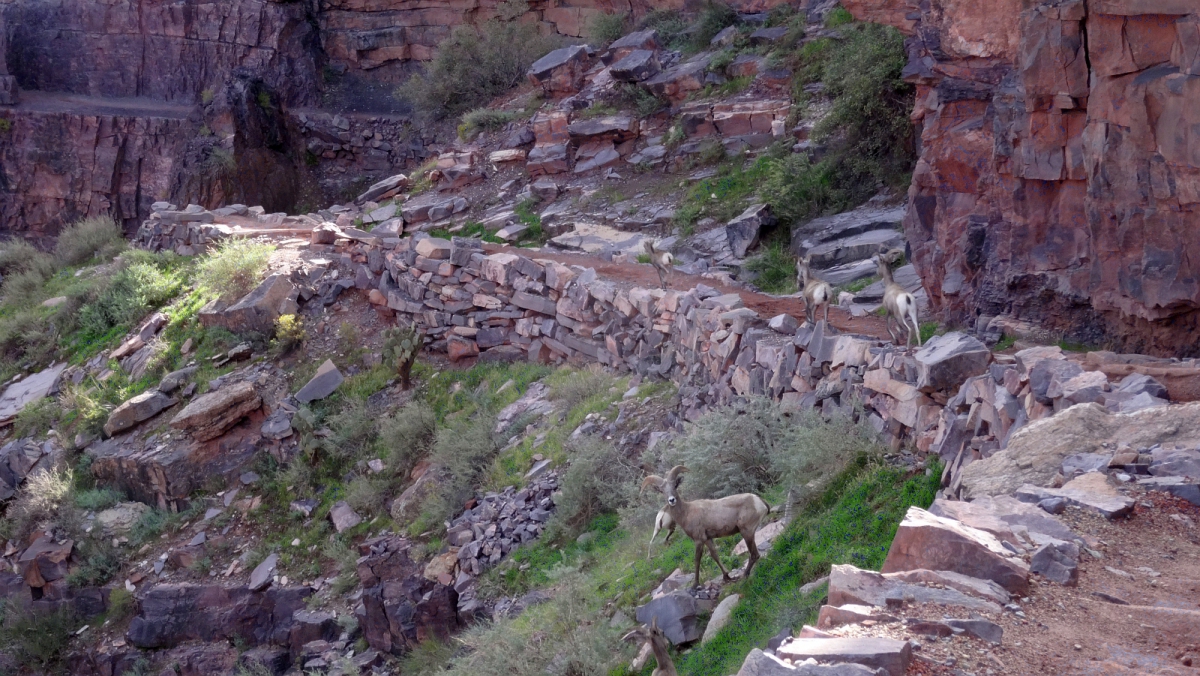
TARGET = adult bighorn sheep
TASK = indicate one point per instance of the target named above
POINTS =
(900, 304)
(704, 520)
(658, 645)
(816, 291)
(662, 262)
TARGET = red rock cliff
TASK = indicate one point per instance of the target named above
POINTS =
(1059, 172)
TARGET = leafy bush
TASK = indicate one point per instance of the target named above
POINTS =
(598, 481)
(407, 436)
(473, 66)
(483, 119)
(672, 27)
(17, 255)
(760, 444)
(89, 239)
(144, 282)
(98, 561)
(289, 334)
(462, 451)
(366, 493)
(605, 28)
(353, 429)
(35, 639)
(97, 499)
(234, 268)
(838, 16)
(798, 190)
(714, 17)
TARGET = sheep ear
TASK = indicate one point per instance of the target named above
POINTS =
(655, 481)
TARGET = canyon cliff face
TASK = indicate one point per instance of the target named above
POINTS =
(1059, 171)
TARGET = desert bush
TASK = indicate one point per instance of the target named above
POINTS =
(35, 639)
(43, 499)
(24, 288)
(366, 493)
(481, 120)
(798, 190)
(670, 24)
(92, 238)
(97, 499)
(152, 524)
(142, 283)
(97, 561)
(17, 255)
(474, 65)
(759, 445)
(234, 268)
(579, 386)
(37, 418)
(605, 28)
(838, 16)
(289, 334)
(598, 481)
(406, 436)
(345, 561)
(353, 429)
(462, 450)
(713, 18)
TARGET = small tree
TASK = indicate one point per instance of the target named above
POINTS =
(400, 348)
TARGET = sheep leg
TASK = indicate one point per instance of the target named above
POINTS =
(699, 555)
(826, 313)
(750, 545)
(712, 549)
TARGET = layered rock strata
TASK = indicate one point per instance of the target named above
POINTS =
(1059, 172)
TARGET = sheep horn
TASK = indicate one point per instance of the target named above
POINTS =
(656, 481)
(674, 477)
(633, 635)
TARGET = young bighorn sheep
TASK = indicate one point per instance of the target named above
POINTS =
(658, 645)
(901, 305)
(661, 521)
(662, 262)
(704, 520)
(817, 292)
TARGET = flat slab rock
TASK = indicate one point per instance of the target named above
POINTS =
(1089, 491)
(849, 585)
(28, 390)
(877, 653)
(759, 663)
(925, 541)
(210, 415)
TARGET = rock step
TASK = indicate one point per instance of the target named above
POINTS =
(890, 655)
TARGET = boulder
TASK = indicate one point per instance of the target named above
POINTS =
(1036, 451)
(141, 407)
(560, 73)
(263, 574)
(720, 617)
(851, 613)
(946, 361)
(616, 128)
(1047, 377)
(45, 561)
(1177, 462)
(549, 158)
(28, 390)
(1177, 486)
(677, 82)
(323, 384)
(399, 606)
(643, 40)
(459, 348)
(433, 247)
(759, 663)
(256, 312)
(1138, 383)
(175, 379)
(766, 36)
(312, 625)
(170, 614)
(121, 517)
(744, 230)
(925, 541)
(1052, 563)
(210, 415)
(343, 516)
(636, 66)
(1090, 491)
(785, 324)
(676, 614)
(877, 653)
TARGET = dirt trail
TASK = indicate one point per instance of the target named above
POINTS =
(77, 104)
(768, 306)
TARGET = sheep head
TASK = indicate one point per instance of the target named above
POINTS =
(671, 484)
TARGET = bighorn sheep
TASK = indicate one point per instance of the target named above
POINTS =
(662, 262)
(901, 305)
(663, 520)
(658, 644)
(704, 520)
(817, 292)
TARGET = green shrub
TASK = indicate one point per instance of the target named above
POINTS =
(353, 429)
(6, 125)
(838, 16)
(234, 268)
(93, 238)
(25, 288)
(289, 334)
(755, 446)
(481, 120)
(672, 27)
(714, 17)
(598, 481)
(473, 66)
(35, 639)
(776, 269)
(37, 418)
(366, 493)
(152, 524)
(97, 499)
(798, 190)
(144, 282)
(97, 562)
(572, 388)
(605, 28)
(629, 95)
(463, 451)
(17, 255)
(406, 436)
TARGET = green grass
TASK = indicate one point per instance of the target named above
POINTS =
(853, 522)
(1072, 346)
(1004, 343)
(723, 196)
(859, 284)
(470, 229)
(929, 330)
(776, 269)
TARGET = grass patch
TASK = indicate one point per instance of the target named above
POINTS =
(721, 197)
(234, 268)
(776, 269)
(483, 119)
(859, 284)
(606, 28)
(929, 330)
(1005, 342)
(90, 239)
(35, 640)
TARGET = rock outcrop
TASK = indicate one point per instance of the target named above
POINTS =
(1059, 176)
